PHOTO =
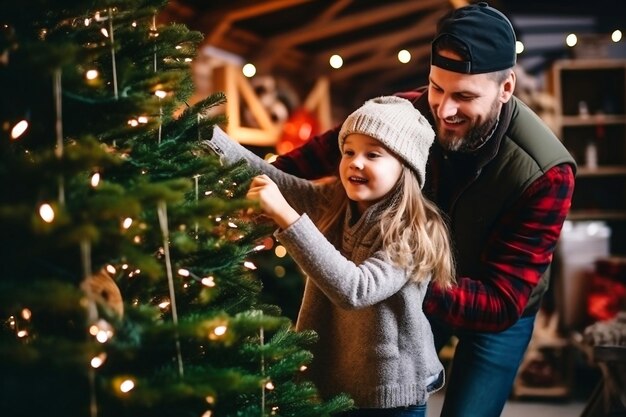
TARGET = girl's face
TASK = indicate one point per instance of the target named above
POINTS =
(368, 170)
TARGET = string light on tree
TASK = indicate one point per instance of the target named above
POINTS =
(46, 212)
(95, 179)
(19, 129)
(126, 385)
(97, 361)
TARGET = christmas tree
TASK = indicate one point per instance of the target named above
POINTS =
(127, 287)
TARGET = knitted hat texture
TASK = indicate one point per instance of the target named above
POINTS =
(398, 126)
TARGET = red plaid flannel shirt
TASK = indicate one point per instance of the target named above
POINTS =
(520, 248)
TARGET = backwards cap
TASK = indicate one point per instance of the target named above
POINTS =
(486, 33)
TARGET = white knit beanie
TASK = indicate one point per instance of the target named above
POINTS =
(397, 125)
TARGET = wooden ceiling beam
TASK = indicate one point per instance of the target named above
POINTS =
(330, 13)
(316, 31)
(424, 29)
(257, 9)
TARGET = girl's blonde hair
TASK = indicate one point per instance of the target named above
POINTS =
(414, 233)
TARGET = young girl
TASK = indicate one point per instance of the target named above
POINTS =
(369, 243)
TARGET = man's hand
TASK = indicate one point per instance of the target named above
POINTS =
(272, 202)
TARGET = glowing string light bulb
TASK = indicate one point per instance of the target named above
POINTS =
(127, 385)
(208, 281)
(220, 330)
(95, 179)
(19, 128)
(97, 361)
(46, 212)
(127, 223)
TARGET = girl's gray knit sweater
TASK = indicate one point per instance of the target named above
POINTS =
(375, 342)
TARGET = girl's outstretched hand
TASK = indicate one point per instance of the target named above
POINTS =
(271, 200)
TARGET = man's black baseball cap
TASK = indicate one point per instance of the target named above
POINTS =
(486, 33)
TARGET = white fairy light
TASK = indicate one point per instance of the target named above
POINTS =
(105, 32)
(183, 272)
(269, 385)
(207, 413)
(87, 21)
(220, 330)
(111, 269)
(19, 128)
(22, 334)
(571, 40)
(133, 122)
(249, 265)
(164, 304)
(249, 70)
(26, 314)
(127, 385)
(336, 61)
(127, 223)
(142, 119)
(616, 35)
(97, 361)
(46, 212)
(102, 336)
(95, 179)
(92, 74)
(208, 281)
(303, 368)
(404, 56)
(160, 93)
(233, 225)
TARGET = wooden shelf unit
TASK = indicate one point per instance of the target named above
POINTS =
(590, 107)
(590, 104)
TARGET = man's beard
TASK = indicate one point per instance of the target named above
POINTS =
(476, 135)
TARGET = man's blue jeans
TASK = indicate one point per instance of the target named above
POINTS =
(410, 411)
(483, 368)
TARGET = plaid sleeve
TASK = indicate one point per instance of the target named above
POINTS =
(518, 252)
(317, 158)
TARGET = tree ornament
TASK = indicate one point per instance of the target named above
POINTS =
(103, 289)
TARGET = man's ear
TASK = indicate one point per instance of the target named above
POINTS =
(507, 87)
